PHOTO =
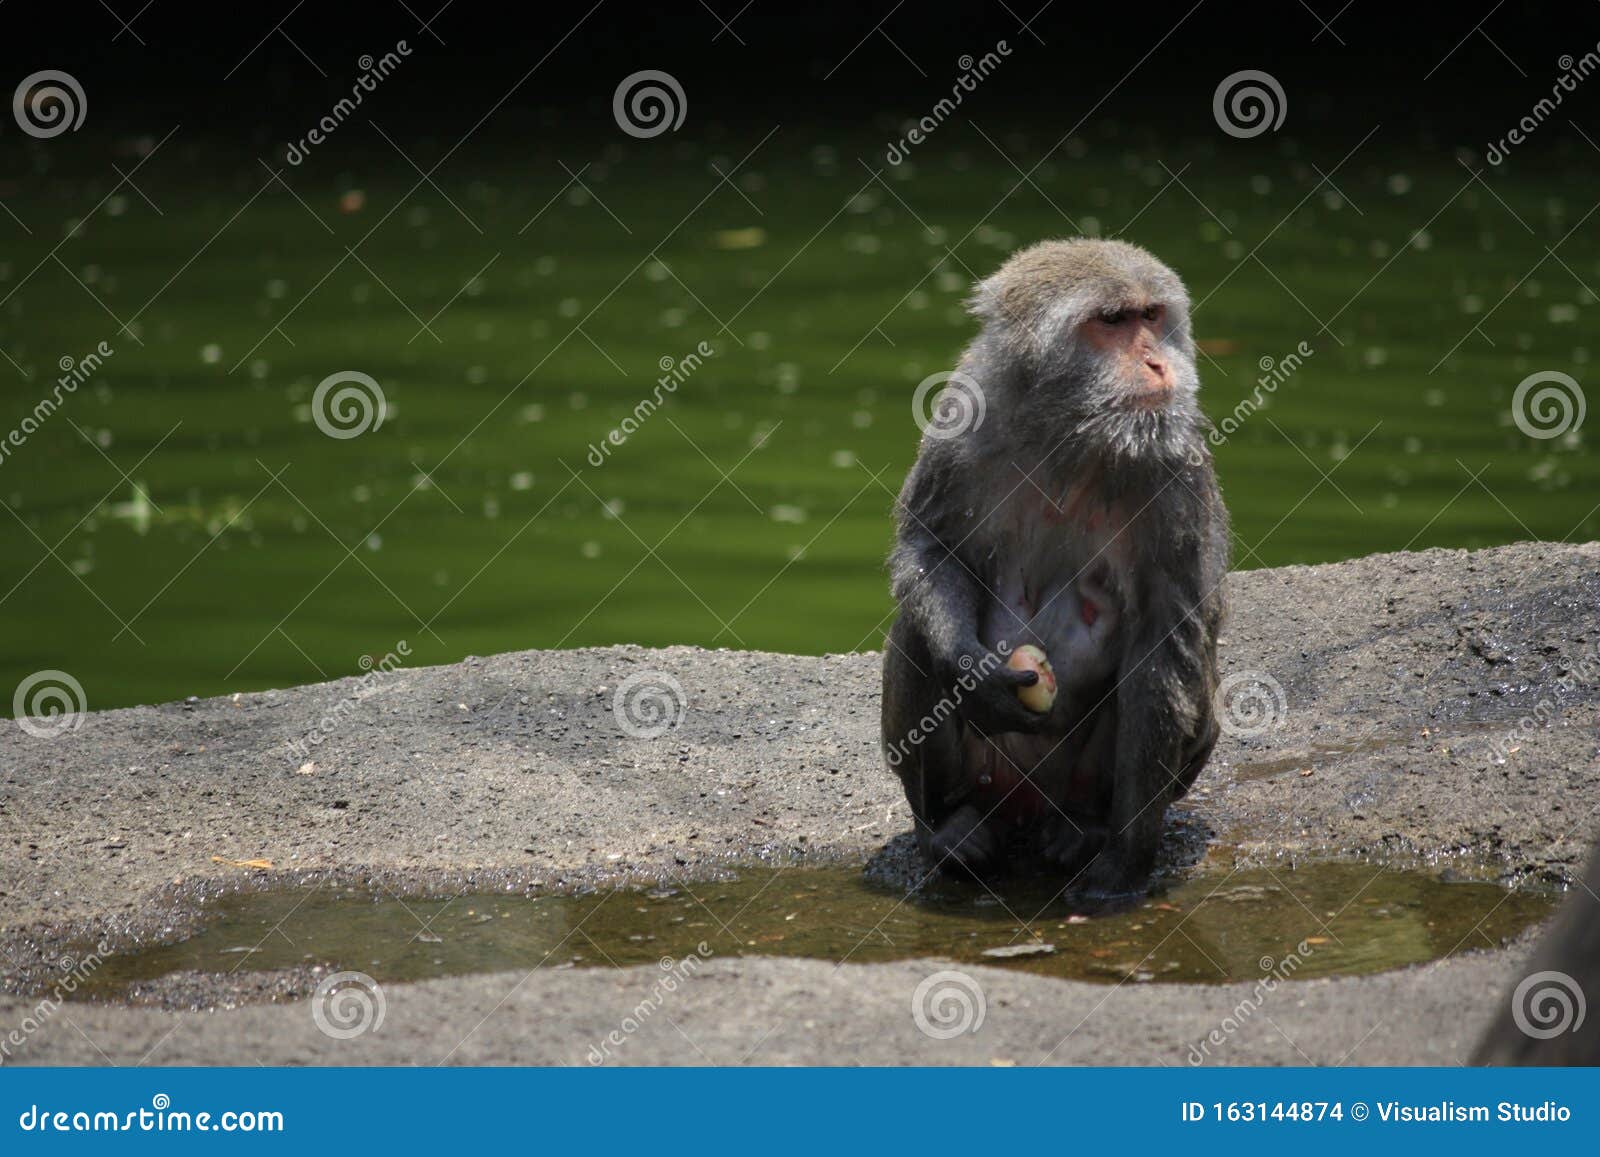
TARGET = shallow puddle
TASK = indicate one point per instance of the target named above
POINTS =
(1319, 920)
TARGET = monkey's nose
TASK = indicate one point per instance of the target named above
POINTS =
(1157, 375)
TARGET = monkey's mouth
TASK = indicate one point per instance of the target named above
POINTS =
(1150, 397)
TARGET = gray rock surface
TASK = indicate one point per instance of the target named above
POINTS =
(1403, 679)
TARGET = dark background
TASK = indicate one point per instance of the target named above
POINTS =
(1428, 72)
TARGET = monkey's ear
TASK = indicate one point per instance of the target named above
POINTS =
(984, 300)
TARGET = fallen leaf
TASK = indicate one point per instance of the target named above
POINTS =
(750, 238)
(241, 863)
(1011, 950)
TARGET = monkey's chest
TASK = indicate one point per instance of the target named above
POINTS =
(1056, 589)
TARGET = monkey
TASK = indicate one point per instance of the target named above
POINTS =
(1073, 504)
(1552, 994)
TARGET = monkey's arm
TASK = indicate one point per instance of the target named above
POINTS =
(941, 597)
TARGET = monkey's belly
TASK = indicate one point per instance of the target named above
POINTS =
(1020, 779)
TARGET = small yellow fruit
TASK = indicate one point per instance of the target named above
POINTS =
(1042, 695)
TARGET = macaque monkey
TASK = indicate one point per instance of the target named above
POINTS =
(1080, 514)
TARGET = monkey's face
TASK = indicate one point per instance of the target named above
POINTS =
(1087, 342)
(1131, 345)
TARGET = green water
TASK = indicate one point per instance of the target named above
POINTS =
(181, 526)
(1320, 920)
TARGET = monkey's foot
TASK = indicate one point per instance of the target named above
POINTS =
(1070, 847)
(964, 843)
(1113, 875)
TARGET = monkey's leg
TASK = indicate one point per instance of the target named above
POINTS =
(1147, 764)
(964, 843)
(922, 741)
(1072, 837)
(1195, 757)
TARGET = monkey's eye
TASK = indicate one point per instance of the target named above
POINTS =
(1114, 316)
(1152, 312)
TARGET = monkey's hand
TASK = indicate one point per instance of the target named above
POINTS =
(989, 702)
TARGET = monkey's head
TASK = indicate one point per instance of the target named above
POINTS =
(1089, 342)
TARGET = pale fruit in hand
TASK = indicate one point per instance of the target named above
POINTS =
(1042, 695)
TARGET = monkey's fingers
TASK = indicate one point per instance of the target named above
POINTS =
(996, 708)
(1012, 677)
